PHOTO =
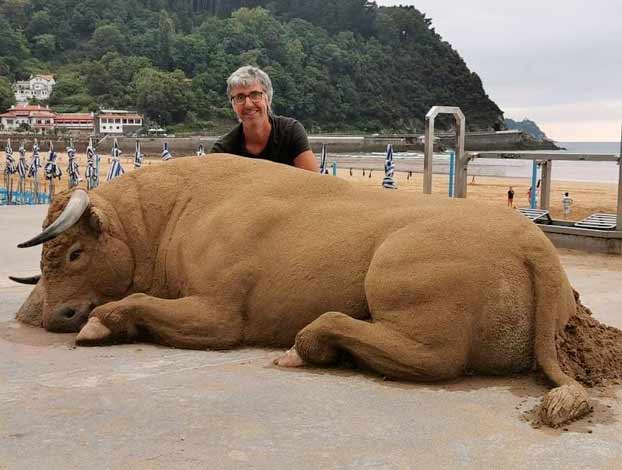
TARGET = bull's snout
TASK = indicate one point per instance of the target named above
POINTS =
(68, 318)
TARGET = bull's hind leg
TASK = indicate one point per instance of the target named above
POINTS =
(377, 346)
(189, 322)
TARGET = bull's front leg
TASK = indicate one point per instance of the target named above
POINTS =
(190, 322)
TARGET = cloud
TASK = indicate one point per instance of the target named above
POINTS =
(554, 61)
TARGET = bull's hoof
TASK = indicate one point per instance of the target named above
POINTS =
(93, 333)
(289, 359)
(564, 404)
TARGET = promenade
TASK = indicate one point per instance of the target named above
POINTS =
(141, 406)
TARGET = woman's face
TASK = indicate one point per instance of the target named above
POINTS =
(250, 103)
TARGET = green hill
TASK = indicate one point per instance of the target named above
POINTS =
(348, 65)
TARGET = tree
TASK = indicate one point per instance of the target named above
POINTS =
(164, 97)
(44, 46)
(165, 39)
(7, 97)
(107, 38)
(13, 50)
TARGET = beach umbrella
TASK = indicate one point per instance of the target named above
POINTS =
(200, 151)
(138, 157)
(52, 171)
(9, 170)
(115, 169)
(22, 168)
(323, 169)
(33, 171)
(389, 169)
(92, 166)
(72, 166)
(166, 155)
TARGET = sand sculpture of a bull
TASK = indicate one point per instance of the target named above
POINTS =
(221, 252)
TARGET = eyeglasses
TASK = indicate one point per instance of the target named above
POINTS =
(255, 97)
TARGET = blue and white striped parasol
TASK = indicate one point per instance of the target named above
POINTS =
(166, 155)
(22, 166)
(91, 169)
(51, 169)
(138, 157)
(115, 169)
(35, 162)
(323, 169)
(9, 168)
(72, 166)
(200, 151)
(389, 169)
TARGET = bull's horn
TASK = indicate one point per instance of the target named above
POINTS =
(26, 280)
(72, 212)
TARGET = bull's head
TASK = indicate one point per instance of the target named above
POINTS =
(84, 263)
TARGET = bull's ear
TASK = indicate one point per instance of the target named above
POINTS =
(98, 220)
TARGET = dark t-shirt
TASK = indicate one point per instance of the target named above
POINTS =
(510, 194)
(288, 139)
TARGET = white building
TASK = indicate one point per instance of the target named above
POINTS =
(119, 122)
(38, 87)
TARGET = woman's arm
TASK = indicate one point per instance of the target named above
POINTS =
(306, 160)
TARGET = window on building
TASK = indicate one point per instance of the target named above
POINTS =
(117, 121)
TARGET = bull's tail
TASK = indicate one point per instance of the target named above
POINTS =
(554, 305)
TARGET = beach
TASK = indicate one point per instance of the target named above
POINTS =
(589, 197)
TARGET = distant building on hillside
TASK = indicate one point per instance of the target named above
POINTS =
(118, 122)
(38, 87)
(36, 117)
(41, 119)
(76, 123)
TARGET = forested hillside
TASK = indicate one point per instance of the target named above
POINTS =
(336, 65)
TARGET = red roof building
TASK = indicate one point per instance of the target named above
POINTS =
(42, 118)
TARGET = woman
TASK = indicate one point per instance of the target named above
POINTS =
(260, 133)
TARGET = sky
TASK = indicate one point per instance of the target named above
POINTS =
(556, 62)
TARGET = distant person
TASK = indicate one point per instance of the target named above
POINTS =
(510, 197)
(261, 134)
(567, 202)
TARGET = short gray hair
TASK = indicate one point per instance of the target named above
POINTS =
(248, 76)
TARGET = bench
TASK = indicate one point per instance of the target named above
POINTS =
(598, 221)
(539, 216)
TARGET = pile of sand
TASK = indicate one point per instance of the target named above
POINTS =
(589, 351)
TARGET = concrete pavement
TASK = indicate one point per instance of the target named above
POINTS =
(141, 406)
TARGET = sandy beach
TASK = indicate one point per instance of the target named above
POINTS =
(589, 197)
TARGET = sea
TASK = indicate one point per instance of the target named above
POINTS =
(602, 172)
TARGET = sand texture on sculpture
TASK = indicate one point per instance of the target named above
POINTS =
(223, 252)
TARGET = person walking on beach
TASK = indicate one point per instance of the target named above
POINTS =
(262, 134)
(567, 202)
(510, 197)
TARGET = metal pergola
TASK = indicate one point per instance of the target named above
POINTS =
(545, 159)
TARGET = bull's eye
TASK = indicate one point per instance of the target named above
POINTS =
(74, 255)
